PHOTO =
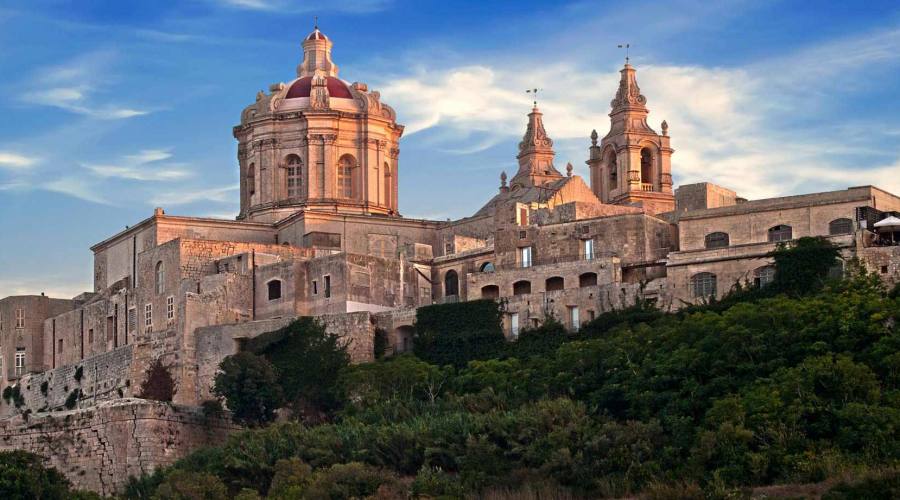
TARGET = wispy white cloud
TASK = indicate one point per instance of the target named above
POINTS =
(16, 161)
(143, 166)
(76, 187)
(727, 124)
(222, 194)
(71, 86)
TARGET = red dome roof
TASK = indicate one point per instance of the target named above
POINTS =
(336, 88)
(317, 35)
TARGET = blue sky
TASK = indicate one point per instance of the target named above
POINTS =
(111, 108)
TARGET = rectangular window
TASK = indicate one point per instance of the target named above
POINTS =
(573, 318)
(1, 321)
(59, 346)
(588, 249)
(90, 335)
(148, 317)
(591, 315)
(514, 325)
(170, 308)
(20, 362)
(525, 256)
(315, 287)
(327, 286)
(20, 318)
(132, 320)
(523, 216)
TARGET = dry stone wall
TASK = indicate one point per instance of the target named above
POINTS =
(99, 448)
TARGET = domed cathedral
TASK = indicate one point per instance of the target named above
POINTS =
(318, 143)
(632, 164)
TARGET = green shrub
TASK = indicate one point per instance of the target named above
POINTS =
(379, 343)
(79, 373)
(44, 387)
(351, 480)
(873, 486)
(24, 475)
(250, 387)
(72, 399)
(434, 482)
(454, 334)
(182, 485)
(292, 477)
(158, 384)
(12, 394)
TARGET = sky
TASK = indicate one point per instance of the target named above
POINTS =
(110, 108)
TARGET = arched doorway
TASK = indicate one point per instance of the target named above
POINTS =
(451, 283)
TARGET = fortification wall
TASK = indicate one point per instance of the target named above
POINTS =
(100, 447)
(102, 377)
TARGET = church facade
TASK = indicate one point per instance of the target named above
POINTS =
(319, 234)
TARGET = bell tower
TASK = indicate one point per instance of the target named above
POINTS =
(632, 164)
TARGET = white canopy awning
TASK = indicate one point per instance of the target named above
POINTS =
(890, 223)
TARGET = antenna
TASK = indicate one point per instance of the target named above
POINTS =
(626, 47)
(535, 92)
(316, 25)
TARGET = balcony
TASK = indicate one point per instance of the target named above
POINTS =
(646, 187)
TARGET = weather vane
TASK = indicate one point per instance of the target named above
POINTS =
(626, 47)
(535, 92)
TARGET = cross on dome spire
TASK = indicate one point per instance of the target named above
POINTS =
(317, 54)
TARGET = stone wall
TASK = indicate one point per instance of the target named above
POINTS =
(99, 448)
(103, 377)
(883, 261)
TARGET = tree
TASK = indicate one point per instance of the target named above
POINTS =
(159, 384)
(23, 475)
(308, 361)
(250, 387)
(802, 266)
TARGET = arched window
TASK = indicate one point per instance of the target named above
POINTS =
(764, 275)
(840, 226)
(555, 283)
(780, 232)
(294, 176)
(717, 240)
(521, 287)
(703, 285)
(160, 278)
(451, 283)
(646, 166)
(251, 179)
(274, 288)
(490, 292)
(613, 170)
(487, 267)
(587, 279)
(346, 166)
(388, 187)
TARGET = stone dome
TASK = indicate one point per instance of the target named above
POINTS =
(336, 88)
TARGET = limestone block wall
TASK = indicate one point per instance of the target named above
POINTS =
(883, 261)
(103, 377)
(99, 448)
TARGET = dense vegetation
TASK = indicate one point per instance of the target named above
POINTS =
(795, 382)
(23, 475)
